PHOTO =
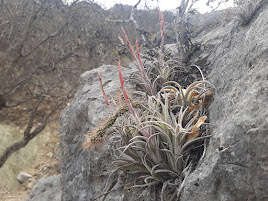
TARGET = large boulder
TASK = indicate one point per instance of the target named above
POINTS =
(84, 170)
(236, 162)
(235, 165)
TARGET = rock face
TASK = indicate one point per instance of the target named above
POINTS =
(46, 189)
(82, 168)
(236, 162)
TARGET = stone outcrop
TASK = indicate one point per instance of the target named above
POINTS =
(83, 170)
(47, 189)
(236, 162)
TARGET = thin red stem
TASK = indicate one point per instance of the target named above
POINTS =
(102, 89)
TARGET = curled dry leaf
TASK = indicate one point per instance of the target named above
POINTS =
(195, 129)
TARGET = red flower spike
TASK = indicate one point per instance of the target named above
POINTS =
(129, 44)
(122, 80)
(138, 60)
(102, 89)
(131, 109)
(162, 24)
(141, 66)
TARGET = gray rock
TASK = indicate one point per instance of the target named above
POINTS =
(23, 177)
(236, 163)
(83, 170)
(50, 155)
(47, 189)
(235, 166)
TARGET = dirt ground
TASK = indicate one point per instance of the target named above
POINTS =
(45, 164)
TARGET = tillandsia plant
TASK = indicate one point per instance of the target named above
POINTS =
(171, 122)
(155, 143)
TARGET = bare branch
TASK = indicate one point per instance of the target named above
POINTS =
(51, 36)
(131, 19)
(30, 22)
(28, 78)
(28, 135)
(136, 5)
(30, 123)
(19, 103)
(7, 8)
(4, 23)
(37, 41)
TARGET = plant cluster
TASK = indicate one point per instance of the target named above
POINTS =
(157, 136)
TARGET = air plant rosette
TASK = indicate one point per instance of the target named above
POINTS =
(155, 138)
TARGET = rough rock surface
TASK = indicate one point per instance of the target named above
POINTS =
(47, 189)
(83, 170)
(236, 162)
